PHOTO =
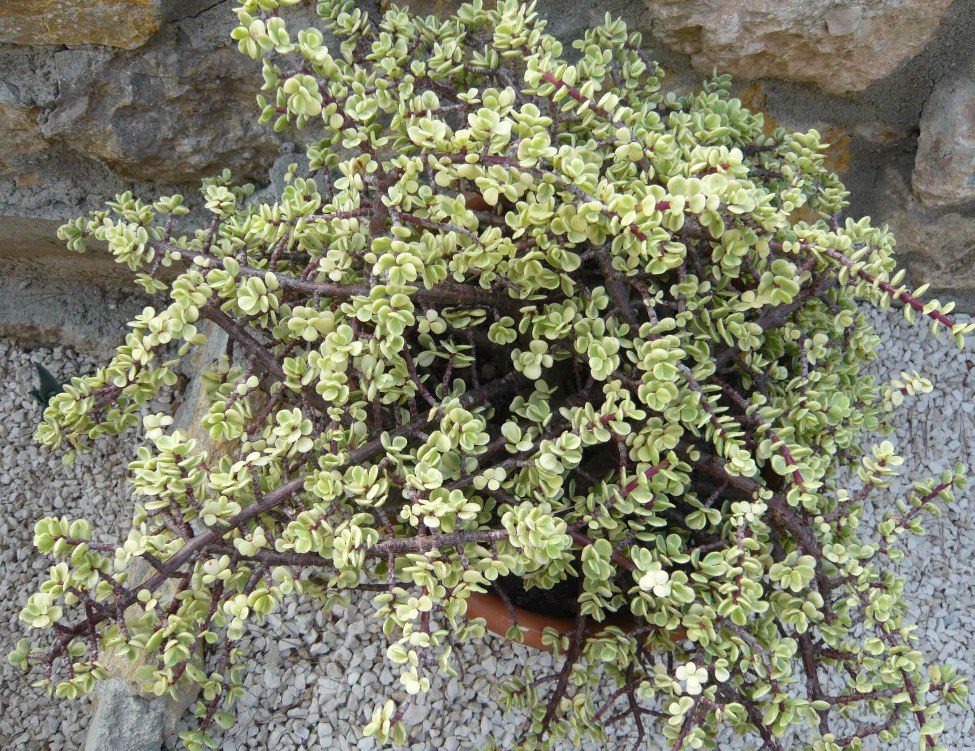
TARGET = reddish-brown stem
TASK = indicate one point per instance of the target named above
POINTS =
(618, 559)
(903, 297)
(258, 351)
(445, 293)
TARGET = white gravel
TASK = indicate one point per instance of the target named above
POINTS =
(316, 674)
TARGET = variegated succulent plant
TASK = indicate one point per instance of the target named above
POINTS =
(512, 316)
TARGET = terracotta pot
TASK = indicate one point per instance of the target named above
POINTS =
(475, 201)
(493, 610)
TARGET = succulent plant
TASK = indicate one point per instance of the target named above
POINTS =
(515, 317)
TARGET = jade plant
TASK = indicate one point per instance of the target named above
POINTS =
(512, 318)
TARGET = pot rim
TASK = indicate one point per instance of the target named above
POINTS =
(498, 620)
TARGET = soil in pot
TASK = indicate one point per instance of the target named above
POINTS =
(560, 601)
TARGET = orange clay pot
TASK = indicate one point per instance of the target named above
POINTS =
(493, 610)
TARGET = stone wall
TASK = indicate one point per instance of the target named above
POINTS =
(151, 95)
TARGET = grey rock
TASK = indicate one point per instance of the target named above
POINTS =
(272, 679)
(416, 713)
(944, 169)
(75, 68)
(125, 722)
(29, 73)
(172, 112)
(41, 304)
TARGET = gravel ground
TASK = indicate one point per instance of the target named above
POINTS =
(39, 485)
(316, 674)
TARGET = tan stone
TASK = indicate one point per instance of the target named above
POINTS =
(944, 169)
(18, 124)
(20, 137)
(840, 47)
(936, 248)
(113, 23)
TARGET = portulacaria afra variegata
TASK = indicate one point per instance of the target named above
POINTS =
(512, 316)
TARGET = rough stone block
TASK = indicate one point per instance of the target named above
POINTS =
(944, 169)
(113, 23)
(839, 47)
(123, 721)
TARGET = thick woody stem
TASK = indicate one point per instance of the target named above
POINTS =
(212, 535)
(258, 351)
(418, 544)
(445, 293)
(575, 652)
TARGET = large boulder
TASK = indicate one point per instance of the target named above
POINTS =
(840, 47)
(181, 108)
(83, 123)
(944, 169)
